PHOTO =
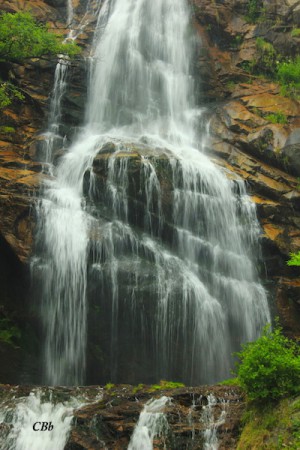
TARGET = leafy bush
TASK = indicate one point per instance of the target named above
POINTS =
(270, 367)
(8, 92)
(294, 260)
(22, 37)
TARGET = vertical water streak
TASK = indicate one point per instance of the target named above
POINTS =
(152, 423)
(212, 423)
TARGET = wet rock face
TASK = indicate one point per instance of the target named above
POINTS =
(109, 415)
(111, 422)
(131, 158)
(243, 137)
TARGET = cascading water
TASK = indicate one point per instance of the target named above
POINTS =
(191, 292)
(212, 423)
(20, 417)
(152, 423)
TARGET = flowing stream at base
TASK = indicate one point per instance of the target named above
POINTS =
(192, 294)
(19, 417)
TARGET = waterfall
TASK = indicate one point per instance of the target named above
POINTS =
(152, 423)
(211, 423)
(178, 290)
(18, 417)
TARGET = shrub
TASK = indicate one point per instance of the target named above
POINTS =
(270, 367)
(8, 92)
(22, 37)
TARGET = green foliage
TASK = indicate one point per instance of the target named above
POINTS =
(294, 259)
(295, 32)
(109, 386)
(271, 426)
(230, 382)
(255, 10)
(165, 385)
(7, 130)
(22, 37)
(270, 367)
(9, 333)
(8, 93)
(277, 117)
(137, 388)
(288, 74)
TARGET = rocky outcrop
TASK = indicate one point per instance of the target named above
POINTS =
(244, 137)
(109, 415)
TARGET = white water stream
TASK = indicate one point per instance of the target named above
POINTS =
(152, 423)
(22, 414)
(212, 423)
(206, 297)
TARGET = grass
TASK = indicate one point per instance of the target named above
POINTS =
(277, 117)
(230, 382)
(272, 427)
(165, 385)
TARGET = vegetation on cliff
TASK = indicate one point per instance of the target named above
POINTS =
(271, 426)
(269, 372)
(21, 38)
(269, 368)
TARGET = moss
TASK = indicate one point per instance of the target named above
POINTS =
(165, 385)
(109, 386)
(272, 427)
(7, 130)
(230, 382)
(137, 388)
